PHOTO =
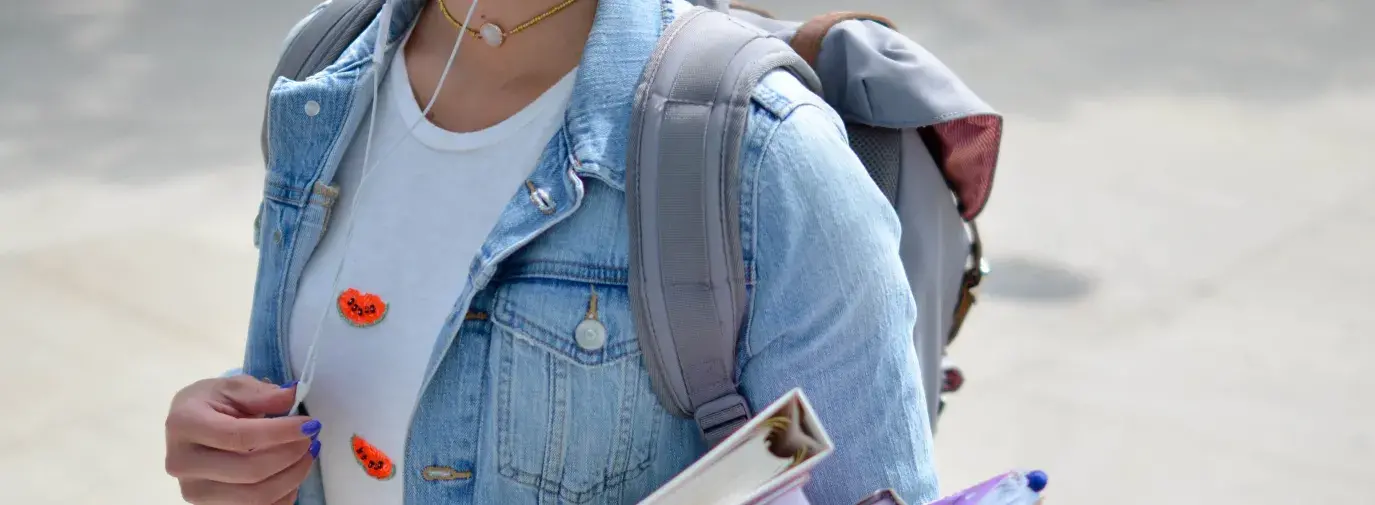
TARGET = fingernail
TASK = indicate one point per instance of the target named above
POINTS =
(315, 449)
(289, 385)
(311, 427)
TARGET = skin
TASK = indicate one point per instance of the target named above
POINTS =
(221, 447)
(223, 450)
(489, 84)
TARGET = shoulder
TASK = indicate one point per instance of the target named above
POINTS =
(797, 145)
(803, 188)
(780, 95)
(793, 133)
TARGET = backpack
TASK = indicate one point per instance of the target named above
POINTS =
(925, 139)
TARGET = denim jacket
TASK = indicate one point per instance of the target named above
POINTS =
(512, 410)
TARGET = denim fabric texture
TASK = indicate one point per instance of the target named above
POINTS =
(511, 403)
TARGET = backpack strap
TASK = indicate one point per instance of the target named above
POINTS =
(687, 274)
(741, 6)
(319, 41)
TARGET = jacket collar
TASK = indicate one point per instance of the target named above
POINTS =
(597, 122)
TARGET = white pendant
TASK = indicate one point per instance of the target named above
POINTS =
(491, 34)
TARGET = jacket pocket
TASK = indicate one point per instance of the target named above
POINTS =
(576, 417)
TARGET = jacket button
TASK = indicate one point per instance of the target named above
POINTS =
(433, 473)
(540, 198)
(590, 334)
(312, 108)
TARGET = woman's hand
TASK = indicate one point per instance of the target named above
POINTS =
(223, 449)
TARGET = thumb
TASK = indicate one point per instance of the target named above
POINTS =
(252, 397)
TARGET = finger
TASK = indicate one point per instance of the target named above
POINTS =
(208, 492)
(205, 426)
(198, 462)
(288, 499)
(253, 397)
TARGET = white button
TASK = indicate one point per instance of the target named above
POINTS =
(590, 334)
(312, 108)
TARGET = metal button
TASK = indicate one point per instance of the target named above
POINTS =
(312, 108)
(542, 201)
(590, 334)
(540, 198)
(444, 473)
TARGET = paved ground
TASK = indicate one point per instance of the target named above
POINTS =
(1182, 240)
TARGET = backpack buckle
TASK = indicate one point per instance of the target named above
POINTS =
(718, 418)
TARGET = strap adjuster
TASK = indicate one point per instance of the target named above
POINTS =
(718, 418)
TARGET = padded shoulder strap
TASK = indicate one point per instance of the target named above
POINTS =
(319, 41)
(687, 282)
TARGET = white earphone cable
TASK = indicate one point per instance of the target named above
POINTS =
(378, 58)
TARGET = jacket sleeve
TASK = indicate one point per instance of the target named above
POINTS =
(831, 311)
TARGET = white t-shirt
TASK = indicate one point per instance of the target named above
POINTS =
(422, 215)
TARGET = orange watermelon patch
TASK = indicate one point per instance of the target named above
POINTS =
(361, 309)
(374, 461)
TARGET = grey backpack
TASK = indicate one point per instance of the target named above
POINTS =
(927, 141)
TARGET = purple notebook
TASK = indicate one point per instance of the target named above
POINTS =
(1012, 488)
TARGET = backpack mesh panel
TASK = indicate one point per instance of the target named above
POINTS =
(880, 149)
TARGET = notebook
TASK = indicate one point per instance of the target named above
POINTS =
(765, 461)
(1012, 488)
(768, 460)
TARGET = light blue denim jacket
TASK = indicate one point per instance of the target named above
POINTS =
(510, 400)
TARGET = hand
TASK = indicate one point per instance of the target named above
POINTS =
(223, 449)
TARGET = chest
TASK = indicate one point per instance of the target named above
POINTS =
(535, 388)
(473, 102)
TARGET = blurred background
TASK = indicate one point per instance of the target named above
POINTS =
(1182, 305)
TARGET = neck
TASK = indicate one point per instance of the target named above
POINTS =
(487, 84)
(551, 46)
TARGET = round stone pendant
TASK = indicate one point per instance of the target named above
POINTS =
(492, 34)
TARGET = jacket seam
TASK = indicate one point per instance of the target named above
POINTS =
(753, 252)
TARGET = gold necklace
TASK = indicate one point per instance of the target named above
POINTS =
(493, 34)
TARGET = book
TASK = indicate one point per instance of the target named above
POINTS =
(769, 459)
(1012, 488)
(765, 461)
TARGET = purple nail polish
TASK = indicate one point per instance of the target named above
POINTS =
(311, 427)
(315, 449)
(290, 385)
